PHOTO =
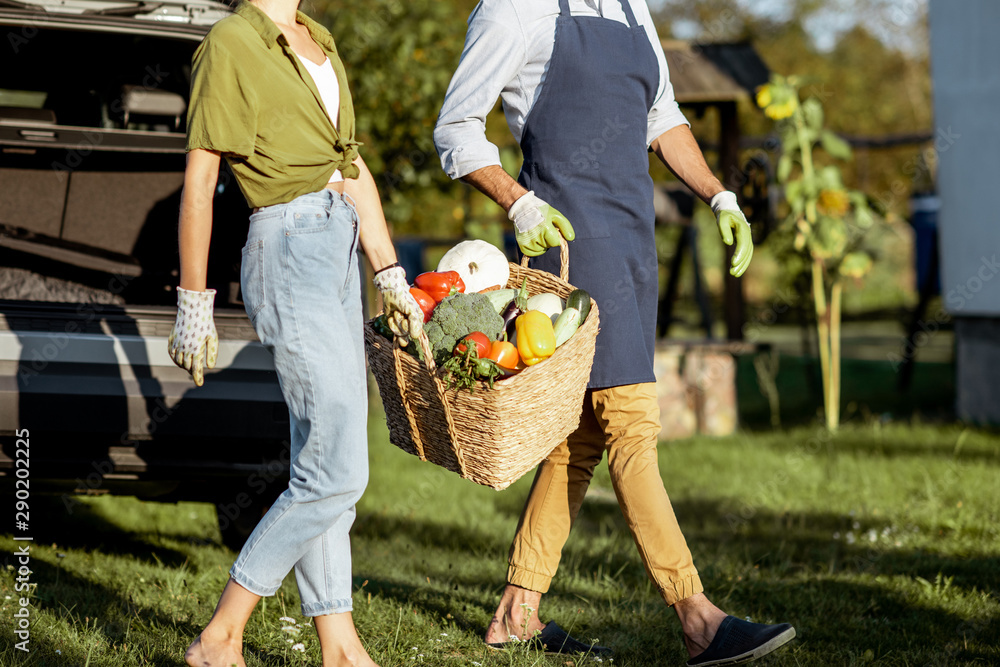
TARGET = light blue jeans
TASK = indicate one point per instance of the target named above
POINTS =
(303, 295)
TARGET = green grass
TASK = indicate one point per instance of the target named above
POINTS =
(881, 545)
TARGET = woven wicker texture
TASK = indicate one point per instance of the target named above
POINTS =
(489, 436)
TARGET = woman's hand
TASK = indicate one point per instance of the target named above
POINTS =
(402, 312)
(193, 343)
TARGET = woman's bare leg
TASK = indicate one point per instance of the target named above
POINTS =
(340, 643)
(220, 644)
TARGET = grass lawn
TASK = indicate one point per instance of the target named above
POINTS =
(881, 545)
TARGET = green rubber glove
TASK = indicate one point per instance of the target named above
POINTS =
(193, 343)
(732, 222)
(537, 225)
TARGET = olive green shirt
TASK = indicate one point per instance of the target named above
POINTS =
(256, 104)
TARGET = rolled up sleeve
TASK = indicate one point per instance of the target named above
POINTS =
(222, 115)
(491, 59)
(665, 114)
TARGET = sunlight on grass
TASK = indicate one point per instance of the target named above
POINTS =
(880, 544)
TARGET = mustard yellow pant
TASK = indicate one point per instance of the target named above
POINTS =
(624, 422)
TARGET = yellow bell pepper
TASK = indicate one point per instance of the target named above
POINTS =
(536, 339)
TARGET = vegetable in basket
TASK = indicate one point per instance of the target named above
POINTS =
(501, 298)
(566, 325)
(465, 368)
(515, 308)
(482, 265)
(440, 285)
(456, 317)
(478, 340)
(425, 302)
(536, 340)
(505, 355)
(570, 319)
(579, 299)
(547, 302)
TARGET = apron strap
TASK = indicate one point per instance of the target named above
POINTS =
(564, 7)
(627, 8)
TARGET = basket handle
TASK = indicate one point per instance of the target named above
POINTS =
(397, 356)
(563, 259)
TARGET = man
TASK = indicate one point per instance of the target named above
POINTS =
(586, 93)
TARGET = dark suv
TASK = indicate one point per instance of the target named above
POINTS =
(93, 98)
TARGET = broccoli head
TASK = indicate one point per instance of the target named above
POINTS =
(456, 317)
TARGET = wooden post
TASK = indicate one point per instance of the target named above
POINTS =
(732, 178)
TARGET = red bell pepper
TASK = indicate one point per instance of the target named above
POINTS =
(439, 285)
(425, 302)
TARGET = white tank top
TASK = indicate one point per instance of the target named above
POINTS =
(329, 91)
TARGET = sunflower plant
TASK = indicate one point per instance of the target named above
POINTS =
(825, 220)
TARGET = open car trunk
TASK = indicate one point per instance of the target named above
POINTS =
(92, 136)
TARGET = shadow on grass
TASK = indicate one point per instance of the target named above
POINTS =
(114, 614)
(67, 597)
(838, 595)
(81, 527)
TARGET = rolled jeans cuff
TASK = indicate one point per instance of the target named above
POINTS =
(327, 608)
(681, 589)
(254, 587)
(532, 581)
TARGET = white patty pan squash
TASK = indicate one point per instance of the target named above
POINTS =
(480, 264)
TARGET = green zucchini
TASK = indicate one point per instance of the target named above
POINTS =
(566, 325)
(499, 298)
(580, 300)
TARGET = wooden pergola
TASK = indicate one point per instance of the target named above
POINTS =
(720, 76)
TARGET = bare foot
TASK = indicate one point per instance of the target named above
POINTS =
(700, 620)
(339, 641)
(348, 658)
(516, 616)
(210, 650)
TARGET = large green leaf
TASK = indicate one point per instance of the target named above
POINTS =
(835, 146)
(784, 167)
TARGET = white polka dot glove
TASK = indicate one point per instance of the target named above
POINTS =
(193, 342)
(402, 312)
(732, 221)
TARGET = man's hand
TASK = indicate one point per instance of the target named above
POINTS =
(193, 343)
(731, 220)
(538, 226)
(402, 312)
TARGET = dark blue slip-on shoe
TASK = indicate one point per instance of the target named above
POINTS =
(742, 641)
(553, 640)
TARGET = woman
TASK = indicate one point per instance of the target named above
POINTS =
(270, 95)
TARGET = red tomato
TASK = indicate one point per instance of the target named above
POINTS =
(425, 302)
(439, 285)
(505, 354)
(477, 338)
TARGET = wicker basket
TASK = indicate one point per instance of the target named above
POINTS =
(489, 436)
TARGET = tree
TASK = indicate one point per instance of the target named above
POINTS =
(399, 58)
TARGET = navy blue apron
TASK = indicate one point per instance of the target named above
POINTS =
(585, 153)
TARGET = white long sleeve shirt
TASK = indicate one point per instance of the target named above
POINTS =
(507, 52)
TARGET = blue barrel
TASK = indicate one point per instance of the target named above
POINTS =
(924, 219)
